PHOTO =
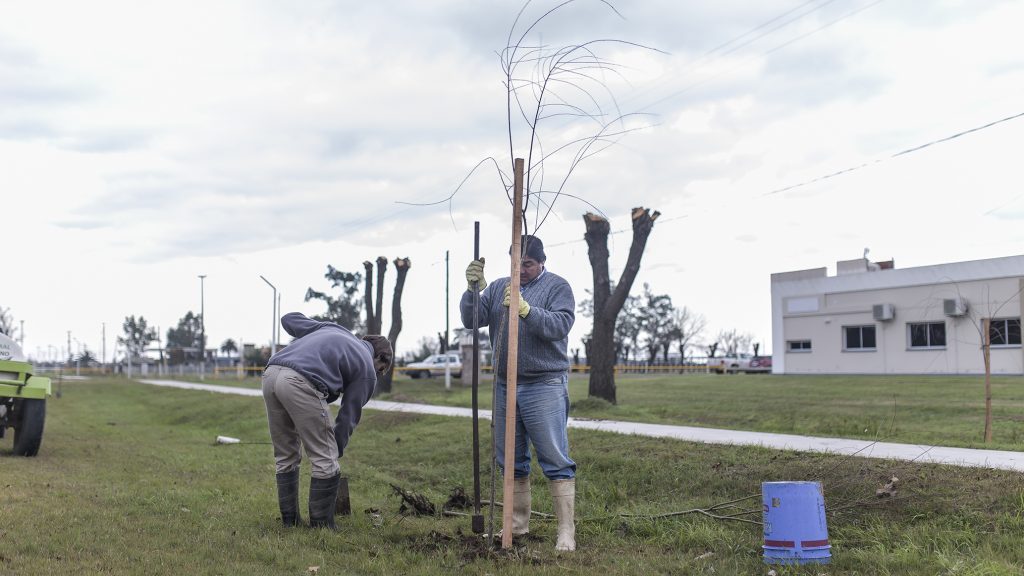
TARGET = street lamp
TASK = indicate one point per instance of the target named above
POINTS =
(273, 325)
(202, 327)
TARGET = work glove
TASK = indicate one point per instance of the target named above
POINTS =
(475, 276)
(524, 306)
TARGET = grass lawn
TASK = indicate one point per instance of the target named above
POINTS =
(929, 410)
(129, 481)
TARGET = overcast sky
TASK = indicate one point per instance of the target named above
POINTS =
(144, 143)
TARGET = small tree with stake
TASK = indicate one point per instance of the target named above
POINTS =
(566, 83)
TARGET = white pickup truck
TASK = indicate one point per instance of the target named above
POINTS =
(729, 363)
(737, 363)
(434, 365)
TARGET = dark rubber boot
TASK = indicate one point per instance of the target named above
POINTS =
(288, 497)
(323, 493)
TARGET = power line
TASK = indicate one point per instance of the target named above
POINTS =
(850, 169)
(765, 53)
(897, 154)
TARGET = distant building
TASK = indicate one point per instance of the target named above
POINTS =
(871, 318)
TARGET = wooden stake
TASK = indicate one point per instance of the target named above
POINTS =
(513, 358)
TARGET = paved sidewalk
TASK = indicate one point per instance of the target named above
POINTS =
(1003, 459)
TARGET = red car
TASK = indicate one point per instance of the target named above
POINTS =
(760, 364)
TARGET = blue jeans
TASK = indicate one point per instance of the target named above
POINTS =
(542, 412)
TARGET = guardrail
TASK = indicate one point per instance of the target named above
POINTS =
(256, 371)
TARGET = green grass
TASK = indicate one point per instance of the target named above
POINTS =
(929, 410)
(129, 481)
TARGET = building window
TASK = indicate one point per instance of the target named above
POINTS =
(1004, 332)
(927, 335)
(800, 345)
(858, 337)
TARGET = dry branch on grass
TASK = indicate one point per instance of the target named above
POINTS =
(413, 503)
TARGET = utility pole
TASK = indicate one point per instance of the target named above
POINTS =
(277, 335)
(104, 346)
(69, 348)
(202, 328)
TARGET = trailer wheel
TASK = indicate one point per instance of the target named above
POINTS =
(28, 431)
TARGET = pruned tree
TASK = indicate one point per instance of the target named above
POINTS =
(346, 308)
(608, 303)
(402, 266)
(374, 311)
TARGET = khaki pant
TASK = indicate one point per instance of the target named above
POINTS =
(299, 417)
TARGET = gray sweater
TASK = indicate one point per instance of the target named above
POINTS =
(543, 334)
(336, 362)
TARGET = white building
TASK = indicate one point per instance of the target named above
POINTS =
(871, 318)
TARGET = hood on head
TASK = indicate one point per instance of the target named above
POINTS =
(298, 325)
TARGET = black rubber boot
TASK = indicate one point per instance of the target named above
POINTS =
(288, 497)
(323, 493)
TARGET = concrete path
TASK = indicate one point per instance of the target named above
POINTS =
(1003, 459)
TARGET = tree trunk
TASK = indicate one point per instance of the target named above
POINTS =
(382, 268)
(371, 318)
(608, 304)
(402, 266)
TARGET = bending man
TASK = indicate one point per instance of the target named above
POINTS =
(545, 316)
(324, 361)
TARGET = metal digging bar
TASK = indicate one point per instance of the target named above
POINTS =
(478, 519)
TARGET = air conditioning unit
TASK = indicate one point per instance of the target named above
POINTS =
(883, 312)
(954, 306)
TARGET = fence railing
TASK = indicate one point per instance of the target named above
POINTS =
(256, 371)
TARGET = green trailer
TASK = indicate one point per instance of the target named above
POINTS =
(22, 399)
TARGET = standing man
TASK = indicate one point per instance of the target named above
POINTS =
(324, 361)
(546, 314)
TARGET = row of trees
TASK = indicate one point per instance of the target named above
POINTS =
(648, 326)
(185, 342)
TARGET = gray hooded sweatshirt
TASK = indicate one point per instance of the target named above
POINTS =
(336, 362)
(543, 334)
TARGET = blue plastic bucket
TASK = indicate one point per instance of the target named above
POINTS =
(794, 523)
